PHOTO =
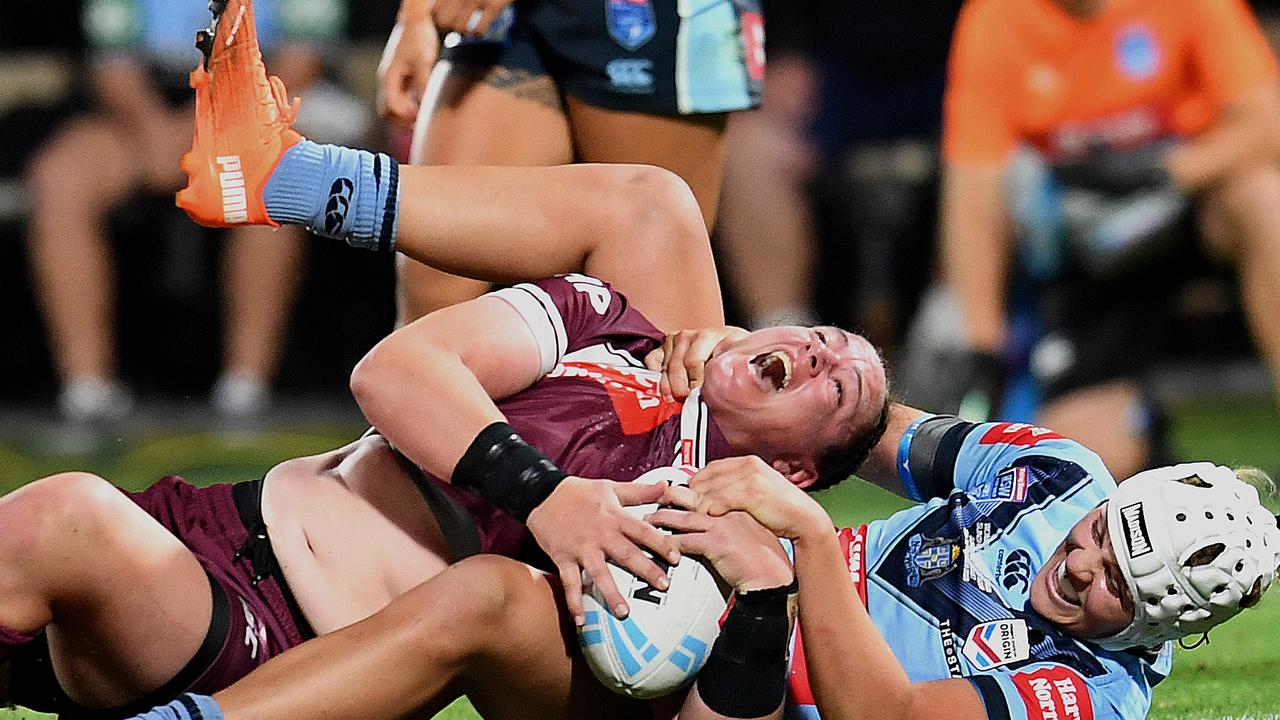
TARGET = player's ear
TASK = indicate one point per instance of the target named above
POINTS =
(799, 471)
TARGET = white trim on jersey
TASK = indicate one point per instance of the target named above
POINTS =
(543, 318)
(693, 428)
(603, 354)
(684, 98)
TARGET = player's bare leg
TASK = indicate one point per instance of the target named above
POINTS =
(260, 269)
(497, 224)
(124, 603)
(638, 226)
(766, 229)
(478, 115)
(488, 627)
(690, 146)
(74, 182)
(1240, 220)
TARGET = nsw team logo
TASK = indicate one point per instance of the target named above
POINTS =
(1137, 53)
(929, 558)
(1009, 486)
(993, 644)
(631, 23)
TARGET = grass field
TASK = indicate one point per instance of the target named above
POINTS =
(1235, 676)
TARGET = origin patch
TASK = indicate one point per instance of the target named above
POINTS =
(992, 644)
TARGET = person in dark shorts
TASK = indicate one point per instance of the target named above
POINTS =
(549, 82)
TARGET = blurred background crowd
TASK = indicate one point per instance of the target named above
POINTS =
(1079, 276)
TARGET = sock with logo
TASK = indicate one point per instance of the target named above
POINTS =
(11, 640)
(188, 706)
(337, 192)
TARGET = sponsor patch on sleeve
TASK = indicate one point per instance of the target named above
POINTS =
(1054, 693)
(1008, 485)
(1017, 434)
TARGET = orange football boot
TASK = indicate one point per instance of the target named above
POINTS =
(243, 123)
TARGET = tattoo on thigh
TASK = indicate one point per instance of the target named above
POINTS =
(525, 85)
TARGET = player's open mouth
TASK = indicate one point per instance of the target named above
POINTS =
(1062, 587)
(774, 368)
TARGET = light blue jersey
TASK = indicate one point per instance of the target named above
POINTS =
(947, 581)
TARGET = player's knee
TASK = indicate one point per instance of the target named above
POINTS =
(65, 174)
(498, 585)
(660, 214)
(484, 617)
(54, 511)
(435, 621)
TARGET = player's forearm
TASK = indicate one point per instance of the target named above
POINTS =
(413, 10)
(1248, 132)
(881, 465)
(695, 708)
(976, 250)
(852, 671)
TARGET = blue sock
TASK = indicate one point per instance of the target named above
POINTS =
(338, 192)
(188, 706)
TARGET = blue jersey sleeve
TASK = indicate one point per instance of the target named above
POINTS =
(1051, 691)
(940, 453)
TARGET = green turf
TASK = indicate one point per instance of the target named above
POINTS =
(1233, 677)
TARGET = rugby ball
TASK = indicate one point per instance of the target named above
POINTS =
(664, 641)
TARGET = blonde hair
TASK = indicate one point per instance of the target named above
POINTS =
(1262, 482)
(1266, 487)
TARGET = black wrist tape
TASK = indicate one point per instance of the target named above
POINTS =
(746, 672)
(507, 471)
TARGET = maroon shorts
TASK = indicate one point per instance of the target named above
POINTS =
(254, 615)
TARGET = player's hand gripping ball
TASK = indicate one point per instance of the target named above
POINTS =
(664, 641)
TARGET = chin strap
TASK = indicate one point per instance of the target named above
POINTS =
(1202, 640)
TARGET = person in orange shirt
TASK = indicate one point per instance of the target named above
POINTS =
(1141, 113)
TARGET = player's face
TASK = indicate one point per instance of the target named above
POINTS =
(795, 390)
(1080, 588)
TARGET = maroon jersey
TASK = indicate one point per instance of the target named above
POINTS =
(597, 412)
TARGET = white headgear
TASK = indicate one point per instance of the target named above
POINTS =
(1195, 546)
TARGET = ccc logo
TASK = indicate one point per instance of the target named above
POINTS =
(335, 211)
(1017, 570)
(631, 74)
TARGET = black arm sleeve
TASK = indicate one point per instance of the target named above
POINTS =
(932, 458)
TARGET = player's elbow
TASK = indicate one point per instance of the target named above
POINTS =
(371, 377)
